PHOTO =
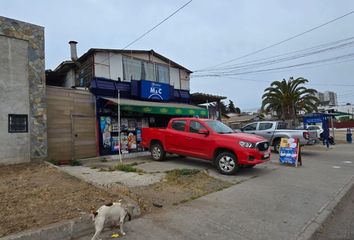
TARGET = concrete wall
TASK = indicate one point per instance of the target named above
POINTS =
(22, 90)
(14, 147)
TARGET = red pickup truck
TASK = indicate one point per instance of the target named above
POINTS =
(207, 139)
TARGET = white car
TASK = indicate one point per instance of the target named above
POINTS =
(317, 128)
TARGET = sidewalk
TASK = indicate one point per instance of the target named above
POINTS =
(284, 203)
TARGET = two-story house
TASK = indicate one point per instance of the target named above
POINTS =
(152, 89)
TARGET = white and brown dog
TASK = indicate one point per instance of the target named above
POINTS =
(112, 213)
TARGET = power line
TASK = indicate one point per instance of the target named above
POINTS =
(281, 42)
(307, 52)
(346, 58)
(150, 30)
(309, 83)
(164, 20)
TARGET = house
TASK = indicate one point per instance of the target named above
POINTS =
(23, 133)
(83, 96)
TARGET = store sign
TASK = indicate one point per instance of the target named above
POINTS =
(154, 90)
(289, 151)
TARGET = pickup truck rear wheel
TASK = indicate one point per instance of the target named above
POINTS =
(226, 163)
(277, 146)
(157, 152)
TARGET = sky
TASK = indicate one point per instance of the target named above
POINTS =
(205, 34)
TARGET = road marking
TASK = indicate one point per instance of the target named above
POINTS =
(336, 167)
(347, 162)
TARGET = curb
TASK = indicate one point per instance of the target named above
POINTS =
(65, 230)
(325, 212)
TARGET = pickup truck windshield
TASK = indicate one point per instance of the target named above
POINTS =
(219, 127)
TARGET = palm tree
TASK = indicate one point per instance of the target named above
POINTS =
(288, 98)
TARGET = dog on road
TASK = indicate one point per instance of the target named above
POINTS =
(111, 213)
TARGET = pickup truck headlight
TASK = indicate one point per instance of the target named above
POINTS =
(247, 144)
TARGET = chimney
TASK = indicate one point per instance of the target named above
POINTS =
(73, 50)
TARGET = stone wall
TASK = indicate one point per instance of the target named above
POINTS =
(11, 32)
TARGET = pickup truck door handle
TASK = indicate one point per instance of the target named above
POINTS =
(269, 132)
(188, 138)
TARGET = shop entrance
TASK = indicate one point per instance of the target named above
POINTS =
(83, 136)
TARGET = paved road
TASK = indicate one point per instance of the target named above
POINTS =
(278, 203)
(341, 224)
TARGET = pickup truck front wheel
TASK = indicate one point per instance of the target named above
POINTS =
(226, 163)
(157, 152)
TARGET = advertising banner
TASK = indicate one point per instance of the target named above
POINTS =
(289, 151)
(155, 90)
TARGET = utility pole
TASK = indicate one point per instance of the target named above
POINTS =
(119, 135)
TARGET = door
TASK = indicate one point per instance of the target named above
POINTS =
(176, 137)
(197, 144)
(83, 136)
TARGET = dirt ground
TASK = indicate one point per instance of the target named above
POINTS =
(35, 195)
(179, 186)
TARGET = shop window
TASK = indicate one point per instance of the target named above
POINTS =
(179, 125)
(163, 74)
(194, 127)
(18, 123)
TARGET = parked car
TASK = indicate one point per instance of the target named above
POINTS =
(317, 128)
(273, 131)
(207, 139)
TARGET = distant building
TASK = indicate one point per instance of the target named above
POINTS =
(328, 98)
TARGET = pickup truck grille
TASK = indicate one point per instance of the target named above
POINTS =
(262, 146)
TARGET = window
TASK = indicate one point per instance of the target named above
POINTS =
(163, 75)
(194, 127)
(135, 69)
(132, 69)
(250, 127)
(179, 125)
(281, 125)
(148, 72)
(265, 126)
(18, 123)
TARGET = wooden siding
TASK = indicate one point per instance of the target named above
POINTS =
(71, 124)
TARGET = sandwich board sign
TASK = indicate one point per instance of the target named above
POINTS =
(289, 151)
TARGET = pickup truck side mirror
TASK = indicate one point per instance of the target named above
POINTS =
(203, 131)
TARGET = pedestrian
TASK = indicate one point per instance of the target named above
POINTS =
(326, 137)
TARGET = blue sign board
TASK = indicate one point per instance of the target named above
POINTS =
(154, 90)
(289, 151)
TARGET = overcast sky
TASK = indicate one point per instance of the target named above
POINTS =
(204, 34)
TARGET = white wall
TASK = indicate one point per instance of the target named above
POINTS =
(14, 99)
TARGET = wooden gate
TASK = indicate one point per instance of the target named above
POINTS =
(84, 137)
(71, 124)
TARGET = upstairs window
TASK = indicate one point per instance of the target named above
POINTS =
(135, 69)
(132, 69)
(163, 75)
(18, 123)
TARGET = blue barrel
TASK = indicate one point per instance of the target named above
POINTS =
(349, 135)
